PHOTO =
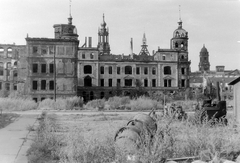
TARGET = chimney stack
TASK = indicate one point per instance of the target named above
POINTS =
(89, 42)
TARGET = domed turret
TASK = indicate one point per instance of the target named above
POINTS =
(180, 38)
(204, 49)
(103, 41)
(204, 64)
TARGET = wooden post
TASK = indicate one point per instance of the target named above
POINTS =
(218, 92)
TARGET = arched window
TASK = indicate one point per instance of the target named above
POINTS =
(1, 50)
(128, 70)
(15, 63)
(110, 69)
(182, 45)
(9, 52)
(154, 71)
(176, 45)
(87, 81)
(182, 57)
(102, 69)
(167, 70)
(87, 69)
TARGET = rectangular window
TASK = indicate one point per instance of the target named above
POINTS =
(91, 55)
(153, 82)
(44, 50)
(102, 82)
(51, 68)
(51, 85)
(118, 82)
(83, 55)
(183, 70)
(145, 83)
(128, 82)
(35, 85)
(110, 69)
(51, 50)
(43, 68)
(0, 85)
(35, 68)
(145, 70)
(165, 83)
(169, 83)
(154, 71)
(110, 82)
(138, 70)
(15, 87)
(43, 84)
(102, 69)
(118, 70)
(183, 83)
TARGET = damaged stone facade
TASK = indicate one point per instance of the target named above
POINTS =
(91, 72)
(103, 75)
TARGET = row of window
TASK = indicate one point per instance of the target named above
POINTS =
(84, 55)
(9, 52)
(43, 85)
(43, 68)
(128, 82)
(7, 86)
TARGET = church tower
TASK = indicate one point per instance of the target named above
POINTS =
(180, 38)
(144, 50)
(103, 39)
(204, 64)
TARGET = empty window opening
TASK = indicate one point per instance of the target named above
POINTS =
(164, 57)
(176, 45)
(1, 69)
(118, 70)
(91, 55)
(87, 81)
(138, 70)
(51, 68)
(154, 71)
(83, 55)
(1, 50)
(167, 82)
(44, 50)
(43, 84)
(0, 85)
(15, 87)
(110, 82)
(145, 83)
(43, 68)
(34, 85)
(9, 52)
(183, 71)
(35, 68)
(110, 69)
(102, 70)
(182, 45)
(128, 70)
(87, 69)
(145, 70)
(128, 82)
(167, 70)
(51, 85)
(153, 82)
(183, 83)
(15, 63)
(15, 74)
(102, 82)
(118, 82)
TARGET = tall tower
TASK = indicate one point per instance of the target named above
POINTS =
(180, 38)
(144, 50)
(204, 64)
(103, 39)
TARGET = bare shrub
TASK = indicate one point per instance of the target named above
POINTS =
(116, 101)
(19, 104)
(95, 104)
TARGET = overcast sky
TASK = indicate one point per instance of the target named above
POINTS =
(215, 23)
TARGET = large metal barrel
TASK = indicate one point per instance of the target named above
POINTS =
(127, 139)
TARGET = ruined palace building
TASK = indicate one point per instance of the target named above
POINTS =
(48, 67)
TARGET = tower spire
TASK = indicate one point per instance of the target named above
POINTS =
(180, 13)
(70, 16)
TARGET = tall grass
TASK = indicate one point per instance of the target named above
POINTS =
(142, 103)
(17, 104)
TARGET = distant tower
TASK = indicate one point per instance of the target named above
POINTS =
(144, 50)
(180, 38)
(103, 39)
(204, 64)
